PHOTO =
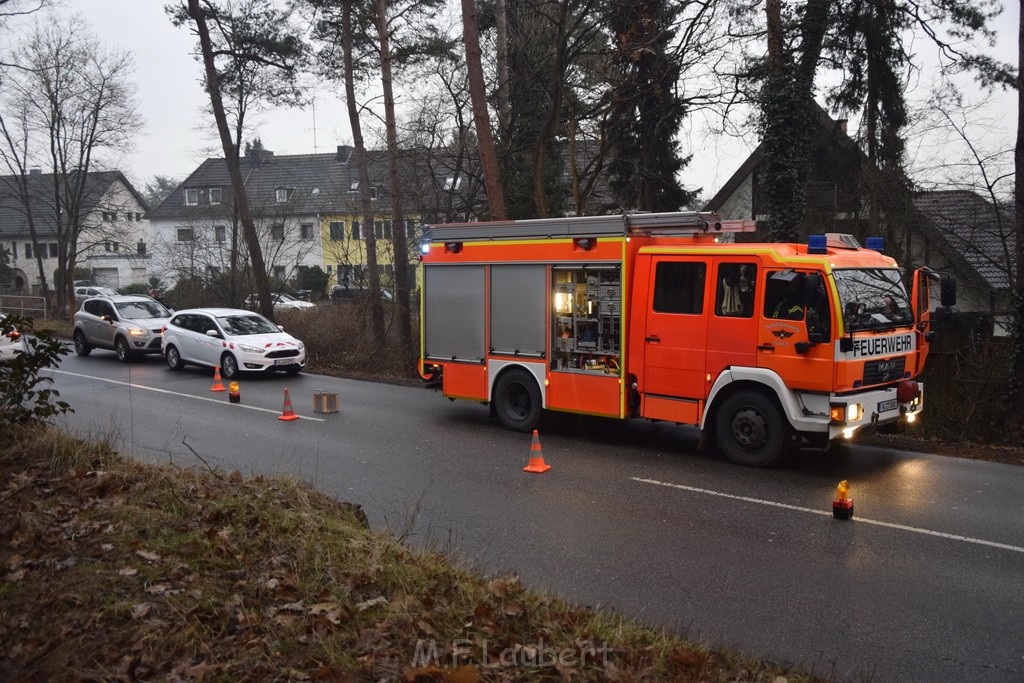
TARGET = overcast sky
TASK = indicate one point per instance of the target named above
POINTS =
(177, 135)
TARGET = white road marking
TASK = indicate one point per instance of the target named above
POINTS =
(178, 393)
(861, 520)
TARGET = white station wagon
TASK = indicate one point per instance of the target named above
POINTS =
(233, 339)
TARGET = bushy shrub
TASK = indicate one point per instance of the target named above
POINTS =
(338, 337)
(135, 288)
(25, 394)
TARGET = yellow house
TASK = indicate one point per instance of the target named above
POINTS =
(344, 249)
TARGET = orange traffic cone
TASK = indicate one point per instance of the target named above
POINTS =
(537, 463)
(217, 386)
(288, 413)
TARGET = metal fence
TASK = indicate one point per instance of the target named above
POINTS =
(32, 306)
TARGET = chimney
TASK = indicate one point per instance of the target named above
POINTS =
(841, 124)
(344, 153)
(35, 173)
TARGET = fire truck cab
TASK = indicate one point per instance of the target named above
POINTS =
(655, 316)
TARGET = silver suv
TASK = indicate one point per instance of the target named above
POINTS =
(126, 324)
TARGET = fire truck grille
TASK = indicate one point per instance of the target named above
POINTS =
(290, 353)
(882, 371)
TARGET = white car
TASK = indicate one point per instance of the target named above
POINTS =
(282, 302)
(235, 340)
(93, 290)
(12, 342)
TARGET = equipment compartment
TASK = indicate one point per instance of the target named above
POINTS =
(587, 315)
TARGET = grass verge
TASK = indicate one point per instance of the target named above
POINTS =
(110, 569)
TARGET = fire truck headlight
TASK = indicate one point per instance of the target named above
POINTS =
(854, 412)
(911, 418)
(425, 247)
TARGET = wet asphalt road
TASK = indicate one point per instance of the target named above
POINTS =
(632, 516)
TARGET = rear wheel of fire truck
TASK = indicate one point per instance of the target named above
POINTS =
(751, 429)
(517, 400)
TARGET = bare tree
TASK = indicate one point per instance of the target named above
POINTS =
(68, 102)
(265, 45)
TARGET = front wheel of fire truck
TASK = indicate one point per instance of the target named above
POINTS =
(517, 400)
(751, 429)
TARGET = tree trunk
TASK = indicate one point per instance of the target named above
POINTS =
(773, 15)
(366, 202)
(481, 118)
(231, 158)
(1017, 275)
(398, 234)
(501, 55)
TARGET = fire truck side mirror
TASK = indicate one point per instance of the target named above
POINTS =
(947, 289)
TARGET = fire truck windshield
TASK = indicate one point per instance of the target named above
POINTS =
(873, 298)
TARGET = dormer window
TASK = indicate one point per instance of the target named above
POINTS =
(452, 182)
(192, 197)
(215, 195)
(281, 195)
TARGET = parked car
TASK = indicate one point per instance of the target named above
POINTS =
(127, 324)
(282, 302)
(235, 340)
(93, 290)
(342, 293)
(12, 342)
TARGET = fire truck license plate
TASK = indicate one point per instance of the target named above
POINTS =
(885, 406)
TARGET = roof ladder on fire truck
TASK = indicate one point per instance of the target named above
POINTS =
(674, 223)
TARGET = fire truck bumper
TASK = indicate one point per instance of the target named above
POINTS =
(880, 409)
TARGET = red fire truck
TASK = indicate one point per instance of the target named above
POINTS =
(656, 316)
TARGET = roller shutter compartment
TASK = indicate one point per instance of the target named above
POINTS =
(453, 313)
(518, 309)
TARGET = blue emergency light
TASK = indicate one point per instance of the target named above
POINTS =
(817, 244)
(876, 244)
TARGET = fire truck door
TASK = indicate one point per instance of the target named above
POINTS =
(785, 329)
(674, 338)
(732, 325)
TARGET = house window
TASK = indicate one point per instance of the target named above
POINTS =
(387, 230)
(452, 182)
(186, 235)
(142, 248)
(215, 195)
(378, 229)
(337, 230)
(354, 187)
(220, 233)
(329, 268)
(281, 195)
(306, 231)
(106, 246)
(28, 250)
(54, 250)
(279, 272)
(277, 233)
(111, 246)
(212, 271)
(355, 230)
(129, 215)
(373, 193)
(191, 197)
(138, 216)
